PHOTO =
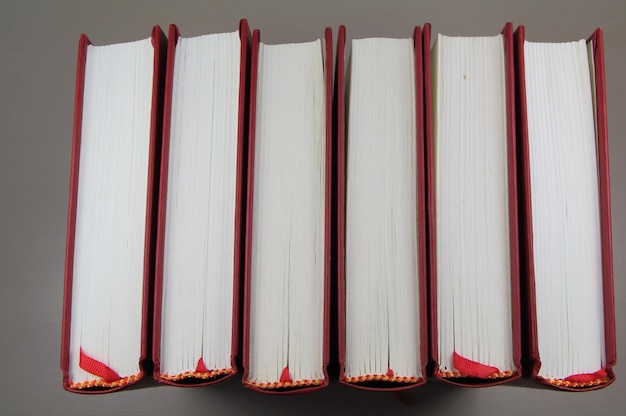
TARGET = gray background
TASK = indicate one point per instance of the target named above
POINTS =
(38, 44)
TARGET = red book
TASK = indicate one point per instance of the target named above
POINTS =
(604, 375)
(104, 377)
(388, 380)
(467, 372)
(286, 381)
(200, 374)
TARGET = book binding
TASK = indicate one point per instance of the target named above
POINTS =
(387, 381)
(201, 375)
(472, 374)
(604, 376)
(286, 384)
(107, 383)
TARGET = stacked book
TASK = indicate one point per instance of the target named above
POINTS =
(400, 212)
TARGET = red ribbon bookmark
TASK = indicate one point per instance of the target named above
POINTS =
(200, 367)
(95, 367)
(473, 368)
(587, 377)
(285, 377)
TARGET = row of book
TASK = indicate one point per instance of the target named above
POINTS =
(437, 211)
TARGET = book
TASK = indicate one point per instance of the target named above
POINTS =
(200, 219)
(381, 216)
(111, 215)
(472, 209)
(565, 212)
(288, 217)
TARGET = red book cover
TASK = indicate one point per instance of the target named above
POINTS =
(109, 382)
(201, 376)
(474, 374)
(286, 384)
(605, 375)
(387, 382)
